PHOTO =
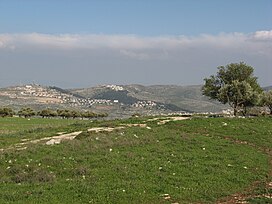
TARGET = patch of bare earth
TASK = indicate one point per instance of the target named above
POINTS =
(123, 126)
(46, 140)
(169, 119)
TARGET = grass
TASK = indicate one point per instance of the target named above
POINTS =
(14, 130)
(193, 161)
(13, 125)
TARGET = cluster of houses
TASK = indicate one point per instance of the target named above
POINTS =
(63, 98)
(44, 92)
(114, 87)
(147, 104)
(91, 102)
(51, 95)
(39, 91)
(35, 90)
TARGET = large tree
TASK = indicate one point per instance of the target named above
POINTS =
(234, 84)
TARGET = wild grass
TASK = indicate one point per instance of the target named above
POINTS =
(190, 161)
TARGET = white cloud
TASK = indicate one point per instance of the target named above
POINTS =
(263, 35)
(141, 47)
(131, 58)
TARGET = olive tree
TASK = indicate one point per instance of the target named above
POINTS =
(47, 113)
(26, 112)
(234, 84)
(6, 112)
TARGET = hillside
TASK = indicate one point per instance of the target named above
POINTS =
(37, 96)
(138, 160)
(118, 100)
(187, 98)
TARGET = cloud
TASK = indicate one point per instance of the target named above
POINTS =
(98, 58)
(135, 55)
(263, 35)
(140, 47)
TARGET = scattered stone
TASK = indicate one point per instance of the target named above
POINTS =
(53, 141)
(104, 129)
(230, 165)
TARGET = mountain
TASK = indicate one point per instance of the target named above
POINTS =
(117, 100)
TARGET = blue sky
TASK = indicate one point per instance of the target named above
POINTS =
(131, 41)
(141, 17)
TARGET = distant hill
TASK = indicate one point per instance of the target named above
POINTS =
(268, 88)
(36, 96)
(119, 100)
(187, 98)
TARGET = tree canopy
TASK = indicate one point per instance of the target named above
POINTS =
(234, 84)
(6, 112)
(26, 112)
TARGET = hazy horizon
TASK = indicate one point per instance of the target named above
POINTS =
(73, 44)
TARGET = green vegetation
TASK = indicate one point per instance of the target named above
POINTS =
(26, 112)
(6, 112)
(13, 130)
(234, 84)
(198, 160)
(267, 100)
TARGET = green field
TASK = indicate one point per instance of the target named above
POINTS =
(12, 125)
(199, 160)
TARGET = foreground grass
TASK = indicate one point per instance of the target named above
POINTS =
(192, 161)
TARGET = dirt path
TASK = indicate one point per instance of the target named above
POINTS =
(70, 136)
(164, 120)
(46, 140)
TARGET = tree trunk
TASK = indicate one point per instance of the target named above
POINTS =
(235, 111)
(244, 111)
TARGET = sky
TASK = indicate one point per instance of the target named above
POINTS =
(83, 43)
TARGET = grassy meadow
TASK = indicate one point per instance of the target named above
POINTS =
(198, 160)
